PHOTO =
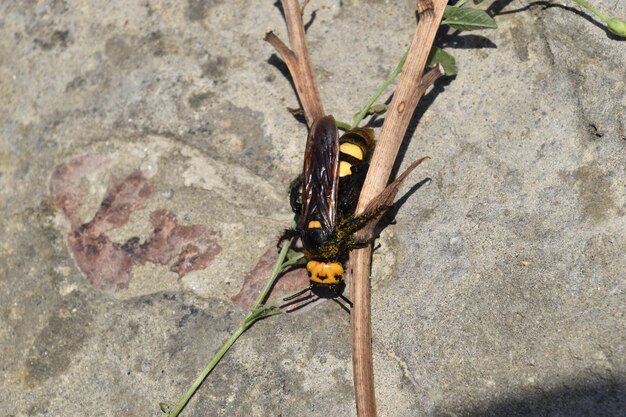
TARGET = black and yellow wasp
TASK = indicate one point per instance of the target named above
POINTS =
(325, 199)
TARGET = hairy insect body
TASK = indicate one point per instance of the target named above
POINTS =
(325, 198)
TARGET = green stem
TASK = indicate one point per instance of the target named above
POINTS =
(257, 312)
(343, 125)
(207, 370)
(278, 267)
(595, 11)
(301, 260)
(364, 112)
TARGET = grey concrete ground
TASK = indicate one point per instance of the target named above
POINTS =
(145, 156)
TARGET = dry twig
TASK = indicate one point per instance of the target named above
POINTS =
(410, 89)
(298, 60)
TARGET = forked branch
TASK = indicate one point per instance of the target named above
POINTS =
(298, 60)
(410, 89)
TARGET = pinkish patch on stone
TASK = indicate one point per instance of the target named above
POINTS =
(65, 182)
(194, 246)
(256, 278)
(107, 264)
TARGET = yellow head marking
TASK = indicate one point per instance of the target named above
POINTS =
(345, 168)
(351, 149)
(327, 273)
(314, 224)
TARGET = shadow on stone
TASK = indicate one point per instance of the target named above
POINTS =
(571, 399)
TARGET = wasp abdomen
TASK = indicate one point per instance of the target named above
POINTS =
(314, 237)
(353, 149)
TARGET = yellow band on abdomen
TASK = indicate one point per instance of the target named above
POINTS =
(345, 168)
(352, 150)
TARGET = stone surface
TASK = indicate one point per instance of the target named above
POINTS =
(145, 156)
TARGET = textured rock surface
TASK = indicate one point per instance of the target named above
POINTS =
(145, 155)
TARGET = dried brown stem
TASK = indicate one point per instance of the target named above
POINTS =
(384, 201)
(298, 60)
(411, 87)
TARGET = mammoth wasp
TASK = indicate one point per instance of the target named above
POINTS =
(325, 199)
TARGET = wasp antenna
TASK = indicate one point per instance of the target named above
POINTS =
(298, 294)
(346, 299)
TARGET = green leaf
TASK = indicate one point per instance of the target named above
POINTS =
(164, 407)
(439, 56)
(467, 19)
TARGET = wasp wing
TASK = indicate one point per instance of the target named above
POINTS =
(321, 175)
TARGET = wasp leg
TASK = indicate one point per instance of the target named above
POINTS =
(355, 224)
(295, 193)
(360, 244)
(288, 234)
(298, 293)
(351, 243)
